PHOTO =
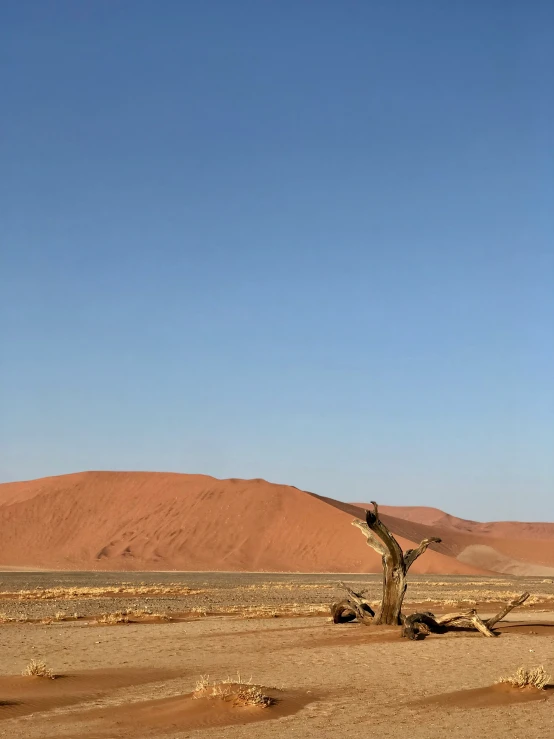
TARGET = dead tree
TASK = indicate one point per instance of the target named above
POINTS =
(395, 569)
(396, 564)
(419, 625)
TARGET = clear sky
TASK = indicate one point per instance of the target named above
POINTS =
(305, 241)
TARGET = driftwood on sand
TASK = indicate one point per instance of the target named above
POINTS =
(419, 625)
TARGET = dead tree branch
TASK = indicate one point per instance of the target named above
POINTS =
(419, 625)
(507, 608)
(355, 606)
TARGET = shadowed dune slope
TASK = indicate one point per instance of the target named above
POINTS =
(497, 529)
(509, 547)
(164, 521)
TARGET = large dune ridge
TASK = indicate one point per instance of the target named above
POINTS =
(171, 521)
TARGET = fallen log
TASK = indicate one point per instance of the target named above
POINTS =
(351, 608)
(419, 625)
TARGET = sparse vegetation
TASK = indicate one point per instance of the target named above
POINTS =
(119, 617)
(25, 601)
(38, 668)
(524, 678)
(288, 609)
(125, 617)
(20, 618)
(59, 593)
(251, 612)
(235, 690)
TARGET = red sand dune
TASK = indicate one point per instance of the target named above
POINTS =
(163, 521)
(498, 529)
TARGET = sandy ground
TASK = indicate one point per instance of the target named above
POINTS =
(244, 593)
(341, 678)
(132, 680)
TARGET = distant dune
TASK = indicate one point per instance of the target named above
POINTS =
(509, 547)
(498, 529)
(163, 521)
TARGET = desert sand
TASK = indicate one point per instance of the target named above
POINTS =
(159, 521)
(137, 680)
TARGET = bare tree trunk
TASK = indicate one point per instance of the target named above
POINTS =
(395, 564)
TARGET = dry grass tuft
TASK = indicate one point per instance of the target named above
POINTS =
(282, 610)
(125, 617)
(20, 619)
(535, 678)
(119, 617)
(287, 586)
(237, 691)
(147, 614)
(38, 668)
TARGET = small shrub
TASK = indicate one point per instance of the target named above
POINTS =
(203, 683)
(235, 690)
(38, 668)
(535, 677)
(119, 617)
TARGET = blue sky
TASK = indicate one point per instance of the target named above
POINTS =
(310, 242)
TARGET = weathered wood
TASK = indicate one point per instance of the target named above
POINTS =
(467, 620)
(507, 608)
(480, 625)
(372, 540)
(356, 597)
(394, 571)
(355, 606)
(412, 554)
(343, 612)
(395, 564)
(418, 625)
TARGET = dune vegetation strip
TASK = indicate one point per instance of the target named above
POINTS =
(282, 610)
(19, 618)
(287, 586)
(130, 616)
(77, 593)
